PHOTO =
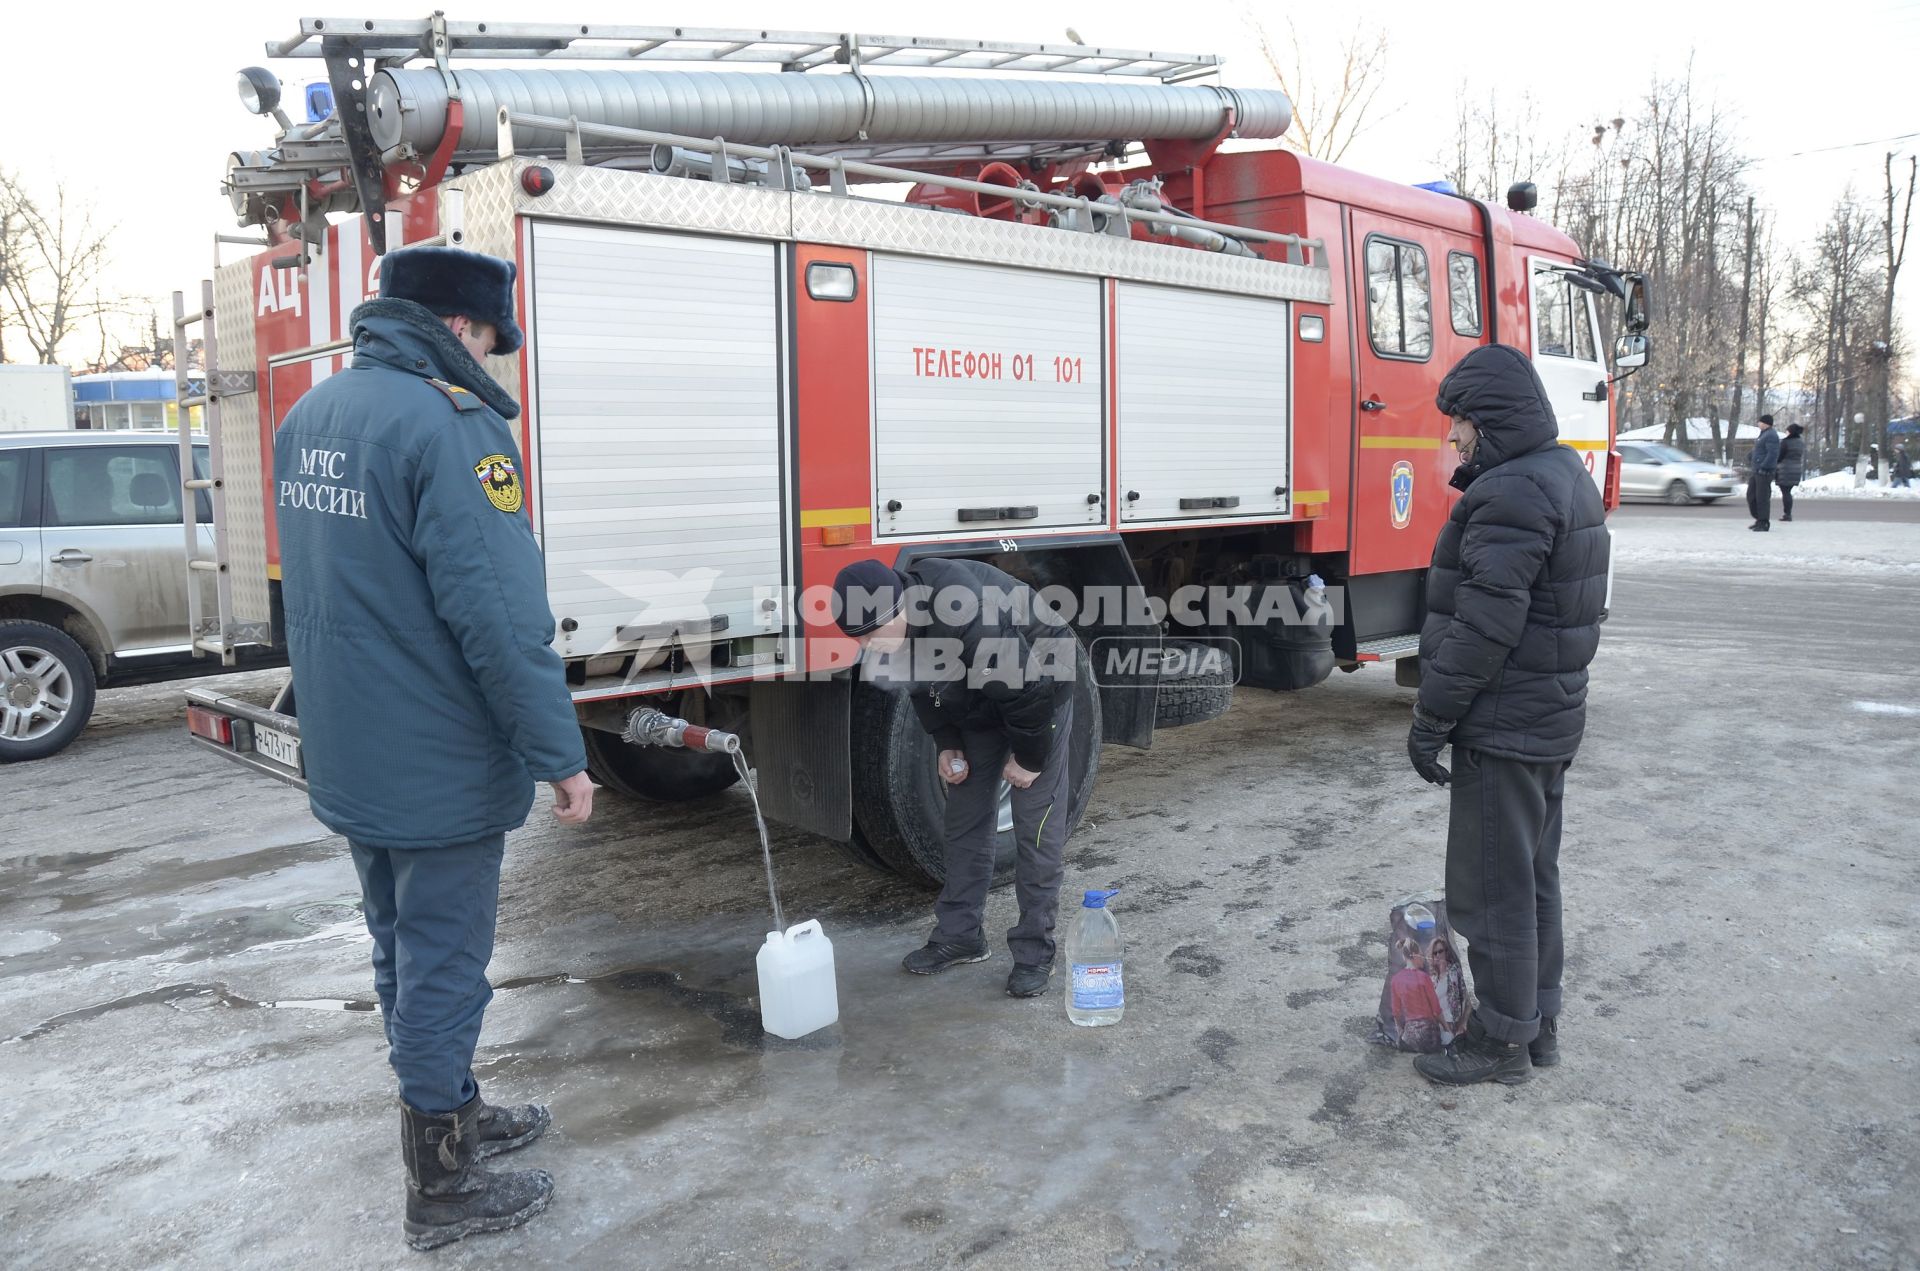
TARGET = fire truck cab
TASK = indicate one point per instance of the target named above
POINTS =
(962, 320)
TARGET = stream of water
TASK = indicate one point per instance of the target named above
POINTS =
(766, 848)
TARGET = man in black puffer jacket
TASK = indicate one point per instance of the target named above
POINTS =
(992, 674)
(1514, 601)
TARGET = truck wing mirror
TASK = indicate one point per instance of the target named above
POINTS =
(1636, 304)
(1630, 351)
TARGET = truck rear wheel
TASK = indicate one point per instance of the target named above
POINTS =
(899, 801)
(46, 690)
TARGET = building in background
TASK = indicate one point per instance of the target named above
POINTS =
(139, 401)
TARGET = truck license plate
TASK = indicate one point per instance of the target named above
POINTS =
(277, 746)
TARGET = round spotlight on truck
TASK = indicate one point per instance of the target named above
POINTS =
(259, 90)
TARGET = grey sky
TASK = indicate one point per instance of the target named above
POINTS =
(134, 105)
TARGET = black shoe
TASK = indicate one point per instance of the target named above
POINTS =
(1475, 1058)
(1028, 981)
(936, 957)
(448, 1195)
(503, 1129)
(1544, 1050)
(1787, 517)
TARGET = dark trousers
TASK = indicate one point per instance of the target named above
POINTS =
(1786, 499)
(1040, 816)
(431, 911)
(1503, 886)
(1760, 497)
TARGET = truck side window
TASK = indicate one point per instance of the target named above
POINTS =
(1399, 299)
(1463, 292)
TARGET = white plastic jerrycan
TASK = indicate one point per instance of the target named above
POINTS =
(797, 993)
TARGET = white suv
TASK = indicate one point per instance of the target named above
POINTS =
(93, 577)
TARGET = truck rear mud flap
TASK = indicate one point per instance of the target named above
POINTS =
(265, 740)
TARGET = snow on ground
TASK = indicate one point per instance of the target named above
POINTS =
(1822, 547)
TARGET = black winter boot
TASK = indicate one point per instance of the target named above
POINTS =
(448, 1196)
(1475, 1058)
(1028, 979)
(1544, 1050)
(504, 1128)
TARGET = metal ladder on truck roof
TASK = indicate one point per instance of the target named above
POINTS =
(217, 634)
(397, 42)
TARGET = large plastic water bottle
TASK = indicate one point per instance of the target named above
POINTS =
(797, 992)
(1096, 992)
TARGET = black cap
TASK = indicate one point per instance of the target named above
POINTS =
(449, 282)
(868, 593)
(1766, 419)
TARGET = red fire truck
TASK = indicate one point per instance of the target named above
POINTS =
(1041, 305)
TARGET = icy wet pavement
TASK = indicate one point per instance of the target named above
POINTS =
(189, 1082)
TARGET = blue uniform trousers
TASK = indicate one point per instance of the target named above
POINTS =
(431, 911)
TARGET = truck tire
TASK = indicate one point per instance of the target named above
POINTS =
(654, 773)
(46, 690)
(1194, 699)
(899, 802)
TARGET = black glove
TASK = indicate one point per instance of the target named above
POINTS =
(1424, 743)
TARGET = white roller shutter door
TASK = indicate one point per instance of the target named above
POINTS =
(659, 431)
(987, 398)
(1205, 405)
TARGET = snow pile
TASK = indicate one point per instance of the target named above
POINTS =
(1813, 547)
(1845, 485)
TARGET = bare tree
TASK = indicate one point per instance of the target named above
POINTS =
(1496, 145)
(53, 265)
(1330, 110)
(1836, 291)
(1896, 254)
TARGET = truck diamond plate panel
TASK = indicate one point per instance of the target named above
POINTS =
(245, 522)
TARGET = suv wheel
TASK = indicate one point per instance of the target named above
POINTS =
(46, 690)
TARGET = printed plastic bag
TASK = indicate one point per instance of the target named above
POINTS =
(1424, 1004)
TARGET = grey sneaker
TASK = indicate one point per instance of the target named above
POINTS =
(935, 957)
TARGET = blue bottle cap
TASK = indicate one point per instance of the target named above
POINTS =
(1098, 899)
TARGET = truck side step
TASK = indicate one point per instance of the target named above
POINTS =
(1388, 648)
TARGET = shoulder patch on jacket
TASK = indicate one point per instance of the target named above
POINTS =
(462, 400)
(501, 481)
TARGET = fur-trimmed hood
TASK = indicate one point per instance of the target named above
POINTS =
(407, 336)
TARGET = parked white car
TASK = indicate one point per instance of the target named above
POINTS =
(92, 577)
(1650, 470)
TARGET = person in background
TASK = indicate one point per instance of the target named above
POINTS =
(1793, 466)
(1764, 463)
(1902, 466)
